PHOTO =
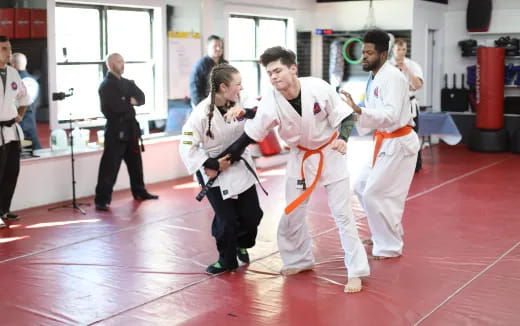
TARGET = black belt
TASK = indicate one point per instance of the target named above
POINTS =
(8, 123)
(412, 97)
(210, 182)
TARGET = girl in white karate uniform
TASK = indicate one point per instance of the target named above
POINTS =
(233, 194)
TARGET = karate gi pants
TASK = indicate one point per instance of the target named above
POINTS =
(295, 242)
(382, 191)
(114, 152)
(235, 224)
(9, 170)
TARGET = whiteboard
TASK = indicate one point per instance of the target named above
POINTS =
(184, 50)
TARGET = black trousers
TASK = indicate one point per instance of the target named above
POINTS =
(418, 164)
(9, 170)
(235, 223)
(114, 152)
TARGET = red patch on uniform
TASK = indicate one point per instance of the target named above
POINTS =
(317, 108)
(14, 86)
(376, 91)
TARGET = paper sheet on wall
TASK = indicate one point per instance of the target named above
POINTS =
(183, 51)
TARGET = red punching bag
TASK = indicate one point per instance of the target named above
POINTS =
(490, 88)
(270, 144)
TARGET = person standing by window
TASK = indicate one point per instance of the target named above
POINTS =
(118, 96)
(19, 62)
(13, 103)
(199, 77)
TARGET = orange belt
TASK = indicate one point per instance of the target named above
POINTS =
(307, 192)
(380, 135)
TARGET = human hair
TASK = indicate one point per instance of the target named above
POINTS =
(109, 58)
(19, 61)
(400, 41)
(379, 38)
(4, 38)
(222, 73)
(286, 56)
(213, 37)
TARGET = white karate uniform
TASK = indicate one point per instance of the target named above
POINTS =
(196, 147)
(416, 70)
(382, 189)
(12, 96)
(322, 113)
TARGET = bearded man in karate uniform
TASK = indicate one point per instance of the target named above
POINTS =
(384, 182)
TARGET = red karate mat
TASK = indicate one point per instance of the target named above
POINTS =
(142, 263)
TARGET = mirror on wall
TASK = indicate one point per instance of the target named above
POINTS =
(25, 23)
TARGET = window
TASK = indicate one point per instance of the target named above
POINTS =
(85, 34)
(249, 37)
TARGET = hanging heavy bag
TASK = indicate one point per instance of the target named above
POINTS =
(478, 15)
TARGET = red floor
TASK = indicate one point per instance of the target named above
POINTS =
(142, 263)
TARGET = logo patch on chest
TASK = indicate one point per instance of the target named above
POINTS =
(376, 92)
(14, 86)
(317, 108)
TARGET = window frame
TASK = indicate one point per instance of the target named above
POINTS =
(255, 61)
(103, 39)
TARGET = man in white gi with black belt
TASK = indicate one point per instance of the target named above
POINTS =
(13, 103)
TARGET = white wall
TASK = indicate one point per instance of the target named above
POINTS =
(505, 20)
(389, 14)
(186, 15)
(429, 16)
(48, 180)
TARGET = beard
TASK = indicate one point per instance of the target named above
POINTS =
(372, 66)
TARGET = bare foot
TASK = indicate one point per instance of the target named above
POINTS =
(295, 270)
(367, 242)
(353, 285)
(380, 257)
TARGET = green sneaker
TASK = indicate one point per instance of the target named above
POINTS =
(242, 255)
(215, 268)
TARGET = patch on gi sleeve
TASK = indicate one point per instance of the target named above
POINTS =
(317, 108)
(225, 192)
(187, 142)
(188, 133)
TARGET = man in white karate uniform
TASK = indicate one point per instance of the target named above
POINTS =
(413, 73)
(384, 183)
(308, 112)
(13, 103)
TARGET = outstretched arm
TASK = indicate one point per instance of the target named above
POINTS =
(345, 129)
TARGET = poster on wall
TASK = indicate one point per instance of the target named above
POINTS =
(184, 50)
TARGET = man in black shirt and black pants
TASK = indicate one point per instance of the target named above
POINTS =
(118, 96)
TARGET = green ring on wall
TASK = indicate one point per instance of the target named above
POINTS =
(344, 50)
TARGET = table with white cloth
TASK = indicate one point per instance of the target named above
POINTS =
(438, 124)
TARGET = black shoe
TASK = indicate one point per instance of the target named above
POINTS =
(102, 207)
(215, 268)
(10, 216)
(242, 255)
(145, 196)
